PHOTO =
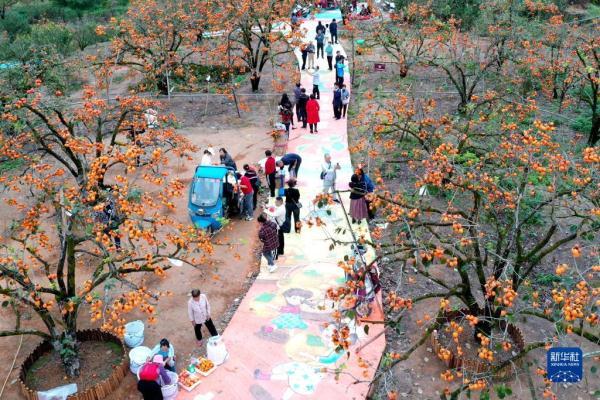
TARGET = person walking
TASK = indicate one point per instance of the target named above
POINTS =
(337, 102)
(270, 171)
(311, 56)
(329, 174)
(252, 175)
(248, 192)
(277, 215)
(297, 92)
(267, 234)
(286, 103)
(304, 52)
(333, 31)
(316, 75)
(302, 102)
(293, 161)
(286, 115)
(320, 28)
(345, 100)
(226, 159)
(329, 54)
(358, 205)
(292, 205)
(312, 113)
(320, 43)
(199, 314)
(339, 73)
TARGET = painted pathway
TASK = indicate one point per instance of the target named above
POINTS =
(274, 352)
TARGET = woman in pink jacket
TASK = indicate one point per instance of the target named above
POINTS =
(312, 113)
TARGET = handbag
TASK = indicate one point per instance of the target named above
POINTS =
(298, 204)
(323, 173)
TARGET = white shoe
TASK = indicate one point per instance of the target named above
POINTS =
(272, 268)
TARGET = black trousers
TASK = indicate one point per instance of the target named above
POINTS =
(344, 109)
(304, 60)
(319, 47)
(303, 117)
(298, 113)
(334, 35)
(291, 209)
(256, 188)
(281, 243)
(337, 110)
(271, 180)
(150, 390)
(316, 91)
(330, 62)
(209, 325)
(339, 80)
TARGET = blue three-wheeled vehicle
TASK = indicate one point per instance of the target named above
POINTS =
(214, 196)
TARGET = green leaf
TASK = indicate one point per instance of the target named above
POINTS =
(5, 304)
(484, 395)
(594, 369)
(366, 328)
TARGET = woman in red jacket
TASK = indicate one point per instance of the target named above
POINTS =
(312, 113)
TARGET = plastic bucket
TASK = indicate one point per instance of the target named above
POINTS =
(216, 350)
(134, 333)
(137, 357)
(170, 391)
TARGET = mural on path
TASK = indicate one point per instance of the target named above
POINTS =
(279, 339)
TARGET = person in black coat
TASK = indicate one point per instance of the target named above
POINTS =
(337, 102)
(301, 106)
(320, 28)
(304, 51)
(333, 31)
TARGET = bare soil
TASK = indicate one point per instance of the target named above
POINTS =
(97, 361)
(224, 280)
(418, 377)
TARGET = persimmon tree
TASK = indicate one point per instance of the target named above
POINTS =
(504, 199)
(404, 40)
(160, 38)
(258, 33)
(587, 51)
(91, 207)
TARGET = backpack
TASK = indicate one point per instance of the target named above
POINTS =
(149, 372)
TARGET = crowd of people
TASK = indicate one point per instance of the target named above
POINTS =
(281, 215)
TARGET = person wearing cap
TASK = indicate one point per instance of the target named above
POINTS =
(151, 375)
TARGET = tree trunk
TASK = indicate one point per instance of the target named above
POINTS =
(68, 348)
(162, 84)
(595, 131)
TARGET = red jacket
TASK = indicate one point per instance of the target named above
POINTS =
(312, 111)
(270, 166)
(244, 181)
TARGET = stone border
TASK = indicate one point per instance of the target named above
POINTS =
(97, 392)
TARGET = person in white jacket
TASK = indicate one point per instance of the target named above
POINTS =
(329, 174)
(277, 214)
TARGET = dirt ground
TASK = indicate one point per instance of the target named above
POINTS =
(225, 281)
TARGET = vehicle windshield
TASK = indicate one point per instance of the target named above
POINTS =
(205, 191)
